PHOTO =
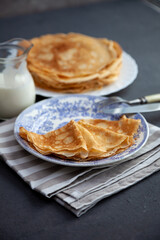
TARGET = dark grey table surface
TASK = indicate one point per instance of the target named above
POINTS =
(130, 214)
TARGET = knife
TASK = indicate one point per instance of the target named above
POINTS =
(151, 107)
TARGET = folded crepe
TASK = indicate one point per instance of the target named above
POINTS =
(87, 139)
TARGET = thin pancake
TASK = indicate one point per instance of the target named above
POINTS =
(70, 55)
(86, 139)
(68, 62)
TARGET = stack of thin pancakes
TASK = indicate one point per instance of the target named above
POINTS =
(88, 139)
(74, 63)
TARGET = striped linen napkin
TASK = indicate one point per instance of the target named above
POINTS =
(78, 189)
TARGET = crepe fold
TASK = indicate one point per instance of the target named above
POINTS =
(74, 63)
(87, 139)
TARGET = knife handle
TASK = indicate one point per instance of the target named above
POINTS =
(146, 99)
(153, 98)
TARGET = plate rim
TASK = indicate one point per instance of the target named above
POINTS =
(71, 163)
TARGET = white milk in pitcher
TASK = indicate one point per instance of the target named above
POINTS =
(17, 91)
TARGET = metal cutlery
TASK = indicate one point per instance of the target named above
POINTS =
(148, 103)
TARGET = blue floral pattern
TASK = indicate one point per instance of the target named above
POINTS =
(54, 113)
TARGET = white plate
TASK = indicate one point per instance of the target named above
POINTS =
(53, 113)
(128, 74)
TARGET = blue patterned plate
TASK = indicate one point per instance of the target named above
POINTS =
(55, 112)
